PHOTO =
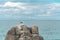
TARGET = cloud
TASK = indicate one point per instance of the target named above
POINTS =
(13, 4)
(24, 10)
(50, 9)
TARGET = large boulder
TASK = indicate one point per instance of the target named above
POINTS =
(23, 32)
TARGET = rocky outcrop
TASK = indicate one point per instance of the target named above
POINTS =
(23, 32)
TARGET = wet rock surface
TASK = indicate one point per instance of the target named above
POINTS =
(23, 32)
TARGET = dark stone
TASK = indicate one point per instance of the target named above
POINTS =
(10, 34)
(41, 38)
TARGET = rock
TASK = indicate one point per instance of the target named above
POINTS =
(35, 30)
(22, 32)
(41, 38)
(10, 34)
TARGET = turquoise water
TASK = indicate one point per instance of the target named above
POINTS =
(50, 30)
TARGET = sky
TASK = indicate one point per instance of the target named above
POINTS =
(29, 9)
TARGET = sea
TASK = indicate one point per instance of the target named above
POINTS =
(48, 29)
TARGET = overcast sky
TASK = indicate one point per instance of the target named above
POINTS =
(29, 9)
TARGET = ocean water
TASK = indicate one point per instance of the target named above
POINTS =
(50, 30)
